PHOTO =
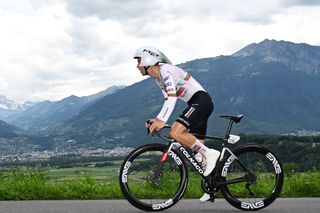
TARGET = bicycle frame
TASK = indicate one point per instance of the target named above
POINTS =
(211, 179)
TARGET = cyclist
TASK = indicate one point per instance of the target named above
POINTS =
(176, 83)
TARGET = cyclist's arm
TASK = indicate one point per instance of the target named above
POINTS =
(171, 97)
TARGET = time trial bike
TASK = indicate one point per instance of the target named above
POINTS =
(154, 176)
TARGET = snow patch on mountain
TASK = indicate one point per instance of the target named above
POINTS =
(10, 105)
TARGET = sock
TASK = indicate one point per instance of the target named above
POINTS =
(199, 147)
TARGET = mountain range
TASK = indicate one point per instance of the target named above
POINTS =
(46, 114)
(275, 84)
(9, 109)
(6, 104)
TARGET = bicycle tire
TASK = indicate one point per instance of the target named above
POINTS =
(265, 187)
(142, 189)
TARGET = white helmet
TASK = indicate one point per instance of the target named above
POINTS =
(150, 56)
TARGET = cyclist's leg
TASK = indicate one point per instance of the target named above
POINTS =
(201, 129)
(195, 118)
(179, 133)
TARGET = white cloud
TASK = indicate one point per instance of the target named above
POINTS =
(3, 84)
(56, 48)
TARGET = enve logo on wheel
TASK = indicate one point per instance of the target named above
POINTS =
(125, 172)
(256, 205)
(274, 162)
(162, 205)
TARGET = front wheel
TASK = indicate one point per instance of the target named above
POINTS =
(252, 178)
(150, 184)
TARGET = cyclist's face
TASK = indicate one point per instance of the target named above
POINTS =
(140, 68)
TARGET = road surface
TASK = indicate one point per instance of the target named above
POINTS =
(283, 205)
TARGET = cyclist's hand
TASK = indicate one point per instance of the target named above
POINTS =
(155, 125)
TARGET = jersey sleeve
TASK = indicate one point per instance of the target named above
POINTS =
(164, 93)
(170, 94)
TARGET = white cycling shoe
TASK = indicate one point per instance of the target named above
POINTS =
(208, 165)
(211, 156)
(205, 197)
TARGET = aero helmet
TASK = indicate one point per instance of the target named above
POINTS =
(150, 56)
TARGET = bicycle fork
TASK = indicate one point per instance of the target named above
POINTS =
(167, 153)
(163, 158)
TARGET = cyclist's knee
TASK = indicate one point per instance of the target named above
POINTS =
(176, 132)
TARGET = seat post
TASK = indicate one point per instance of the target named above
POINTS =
(229, 129)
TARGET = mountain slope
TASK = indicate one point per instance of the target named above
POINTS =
(9, 131)
(48, 114)
(275, 84)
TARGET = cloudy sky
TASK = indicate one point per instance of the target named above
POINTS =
(54, 48)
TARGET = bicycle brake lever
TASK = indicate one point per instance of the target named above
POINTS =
(149, 122)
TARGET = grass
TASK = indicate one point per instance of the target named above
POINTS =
(102, 183)
(302, 185)
(65, 174)
(27, 184)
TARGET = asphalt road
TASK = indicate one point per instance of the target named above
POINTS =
(284, 205)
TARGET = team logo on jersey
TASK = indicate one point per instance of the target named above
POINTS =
(190, 111)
